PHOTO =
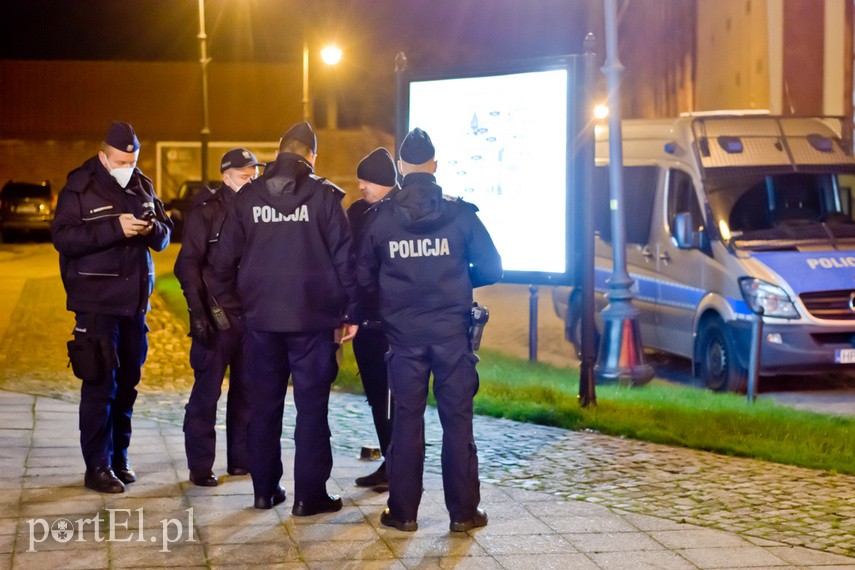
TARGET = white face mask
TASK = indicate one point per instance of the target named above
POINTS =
(122, 175)
(233, 184)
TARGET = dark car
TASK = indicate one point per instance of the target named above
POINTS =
(179, 207)
(26, 208)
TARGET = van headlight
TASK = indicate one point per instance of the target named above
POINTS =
(770, 299)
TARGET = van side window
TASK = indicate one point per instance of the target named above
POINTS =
(639, 190)
(682, 198)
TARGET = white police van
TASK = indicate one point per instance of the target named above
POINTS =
(728, 214)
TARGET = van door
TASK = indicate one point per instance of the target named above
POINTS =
(682, 273)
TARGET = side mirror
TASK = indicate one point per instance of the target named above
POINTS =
(683, 229)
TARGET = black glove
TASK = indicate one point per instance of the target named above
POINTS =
(201, 328)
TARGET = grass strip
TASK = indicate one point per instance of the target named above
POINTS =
(660, 412)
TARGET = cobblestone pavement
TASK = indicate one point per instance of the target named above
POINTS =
(756, 499)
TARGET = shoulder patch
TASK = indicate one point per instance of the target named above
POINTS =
(459, 202)
(329, 186)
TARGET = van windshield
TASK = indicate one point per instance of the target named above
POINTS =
(772, 211)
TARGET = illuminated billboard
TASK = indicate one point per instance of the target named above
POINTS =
(502, 141)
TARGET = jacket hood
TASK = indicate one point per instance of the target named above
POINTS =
(282, 182)
(419, 205)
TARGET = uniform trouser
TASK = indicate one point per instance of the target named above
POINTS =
(209, 367)
(455, 385)
(369, 348)
(309, 359)
(107, 403)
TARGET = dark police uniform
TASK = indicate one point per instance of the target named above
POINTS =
(108, 279)
(424, 253)
(289, 243)
(210, 357)
(370, 344)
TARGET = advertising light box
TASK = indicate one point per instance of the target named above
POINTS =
(502, 144)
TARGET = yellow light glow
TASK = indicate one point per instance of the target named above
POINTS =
(601, 112)
(724, 230)
(331, 54)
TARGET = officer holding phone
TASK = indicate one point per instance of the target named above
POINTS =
(108, 218)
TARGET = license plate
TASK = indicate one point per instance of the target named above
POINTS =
(26, 209)
(844, 356)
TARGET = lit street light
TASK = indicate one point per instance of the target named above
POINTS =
(330, 55)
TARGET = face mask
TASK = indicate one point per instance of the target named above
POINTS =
(122, 175)
(234, 185)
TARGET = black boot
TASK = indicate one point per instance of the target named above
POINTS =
(376, 479)
(103, 480)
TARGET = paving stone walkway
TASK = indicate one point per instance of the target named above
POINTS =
(766, 505)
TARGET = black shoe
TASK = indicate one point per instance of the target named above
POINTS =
(328, 504)
(237, 471)
(479, 519)
(270, 502)
(203, 479)
(123, 470)
(386, 519)
(376, 479)
(103, 480)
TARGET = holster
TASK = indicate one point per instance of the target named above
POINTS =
(91, 357)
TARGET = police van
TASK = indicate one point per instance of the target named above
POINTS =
(729, 216)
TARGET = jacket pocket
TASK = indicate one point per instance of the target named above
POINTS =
(101, 264)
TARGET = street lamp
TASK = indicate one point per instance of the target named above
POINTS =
(204, 60)
(330, 55)
(621, 355)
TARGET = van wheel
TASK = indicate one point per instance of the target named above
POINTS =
(716, 356)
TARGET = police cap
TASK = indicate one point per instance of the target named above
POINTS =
(238, 158)
(302, 132)
(417, 147)
(121, 136)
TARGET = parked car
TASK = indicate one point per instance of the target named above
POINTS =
(26, 208)
(179, 207)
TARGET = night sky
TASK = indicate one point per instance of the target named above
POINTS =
(434, 34)
(431, 32)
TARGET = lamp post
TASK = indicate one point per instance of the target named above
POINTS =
(307, 108)
(330, 55)
(621, 355)
(204, 60)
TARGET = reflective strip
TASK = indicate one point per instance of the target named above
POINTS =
(98, 274)
(669, 294)
(101, 217)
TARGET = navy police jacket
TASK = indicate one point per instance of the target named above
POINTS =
(357, 214)
(423, 253)
(288, 242)
(103, 271)
(201, 234)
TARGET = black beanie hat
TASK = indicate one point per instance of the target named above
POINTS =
(121, 136)
(302, 132)
(378, 167)
(417, 147)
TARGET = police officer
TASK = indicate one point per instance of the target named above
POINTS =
(288, 244)
(424, 253)
(107, 218)
(216, 343)
(377, 176)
